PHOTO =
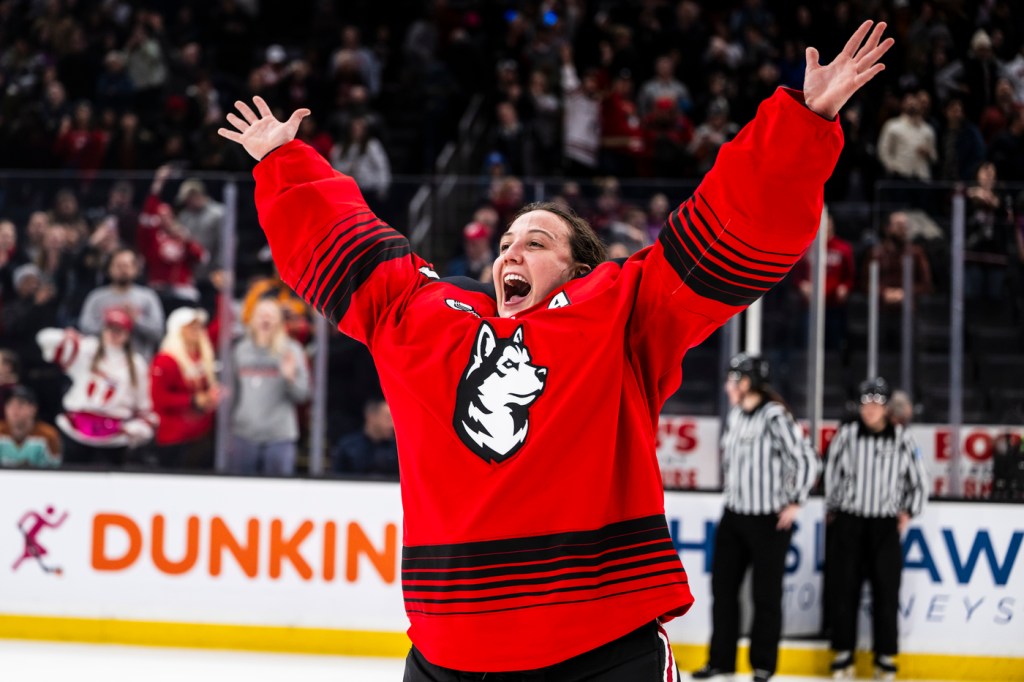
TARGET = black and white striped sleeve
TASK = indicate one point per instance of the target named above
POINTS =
(837, 467)
(914, 491)
(800, 463)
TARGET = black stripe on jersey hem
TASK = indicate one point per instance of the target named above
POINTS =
(551, 603)
(511, 580)
(381, 252)
(639, 542)
(332, 265)
(544, 593)
(450, 571)
(564, 541)
(327, 235)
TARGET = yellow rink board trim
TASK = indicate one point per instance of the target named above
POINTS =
(795, 658)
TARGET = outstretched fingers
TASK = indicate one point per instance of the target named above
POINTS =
(262, 107)
(864, 76)
(232, 135)
(246, 111)
(856, 39)
(237, 122)
(874, 55)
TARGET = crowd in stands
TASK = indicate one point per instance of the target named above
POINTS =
(97, 281)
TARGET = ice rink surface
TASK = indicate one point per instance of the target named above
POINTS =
(30, 661)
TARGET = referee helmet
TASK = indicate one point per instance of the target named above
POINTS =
(874, 390)
(751, 366)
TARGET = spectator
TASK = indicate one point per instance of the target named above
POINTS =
(477, 254)
(10, 258)
(662, 86)
(114, 88)
(961, 148)
(839, 280)
(372, 450)
(889, 253)
(169, 250)
(545, 123)
(658, 209)
(294, 309)
(146, 64)
(132, 145)
(185, 391)
(140, 302)
(981, 73)
(311, 134)
(712, 134)
(107, 410)
(80, 145)
(582, 129)
(998, 115)
(33, 309)
(272, 379)
(203, 220)
(363, 157)
(1007, 150)
(667, 135)
(906, 145)
(901, 409)
(10, 370)
(513, 141)
(121, 208)
(989, 240)
(25, 442)
(622, 140)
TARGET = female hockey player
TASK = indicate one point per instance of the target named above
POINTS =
(534, 535)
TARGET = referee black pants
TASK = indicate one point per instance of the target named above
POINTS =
(744, 540)
(641, 656)
(866, 549)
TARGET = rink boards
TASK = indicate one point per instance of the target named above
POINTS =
(313, 566)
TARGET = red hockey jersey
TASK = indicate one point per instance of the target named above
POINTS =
(534, 525)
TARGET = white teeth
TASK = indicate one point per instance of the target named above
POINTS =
(512, 276)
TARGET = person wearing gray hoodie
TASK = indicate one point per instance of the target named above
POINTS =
(272, 379)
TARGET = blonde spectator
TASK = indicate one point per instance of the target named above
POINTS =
(107, 410)
(272, 380)
(185, 391)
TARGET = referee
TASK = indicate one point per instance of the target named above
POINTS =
(769, 468)
(874, 483)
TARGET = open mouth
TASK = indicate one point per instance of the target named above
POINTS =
(516, 289)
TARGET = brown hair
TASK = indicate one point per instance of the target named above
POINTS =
(587, 249)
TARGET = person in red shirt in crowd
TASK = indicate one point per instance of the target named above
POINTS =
(170, 252)
(622, 140)
(185, 391)
(535, 539)
(79, 144)
(667, 133)
(839, 279)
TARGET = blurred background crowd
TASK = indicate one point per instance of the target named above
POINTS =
(112, 207)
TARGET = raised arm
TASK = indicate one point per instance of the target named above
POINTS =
(327, 244)
(753, 215)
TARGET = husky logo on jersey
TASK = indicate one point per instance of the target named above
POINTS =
(492, 403)
(559, 301)
(461, 307)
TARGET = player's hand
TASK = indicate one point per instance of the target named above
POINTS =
(827, 88)
(261, 133)
(787, 516)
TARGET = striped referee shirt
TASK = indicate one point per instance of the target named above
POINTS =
(874, 474)
(767, 461)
